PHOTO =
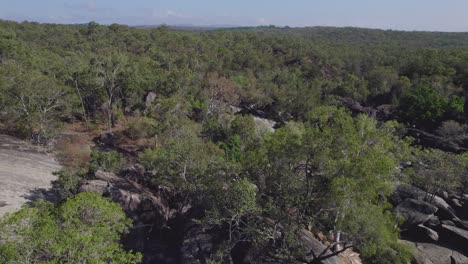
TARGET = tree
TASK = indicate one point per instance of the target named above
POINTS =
(435, 171)
(220, 91)
(34, 102)
(422, 106)
(86, 228)
(185, 162)
(232, 207)
(330, 173)
(108, 70)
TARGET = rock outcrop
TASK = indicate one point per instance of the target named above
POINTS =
(415, 212)
(149, 211)
(26, 172)
(437, 230)
(427, 253)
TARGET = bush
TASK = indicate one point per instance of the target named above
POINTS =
(85, 229)
(452, 130)
(141, 127)
(422, 106)
(110, 161)
(67, 183)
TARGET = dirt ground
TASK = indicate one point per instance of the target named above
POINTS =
(25, 173)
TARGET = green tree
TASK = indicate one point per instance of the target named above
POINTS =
(109, 69)
(84, 229)
(422, 106)
(34, 102)
(320, 175)
(233, 206)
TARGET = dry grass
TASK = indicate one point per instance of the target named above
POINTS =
(74, 146)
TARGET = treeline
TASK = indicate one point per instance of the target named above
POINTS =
(101, 71)
(322, 169)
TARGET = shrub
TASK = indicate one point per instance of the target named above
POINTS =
(85, 229)
(422, 106)
(452, 130)
(67, 182)
(110, 161)
(141, 127)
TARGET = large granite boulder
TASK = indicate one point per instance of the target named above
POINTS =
(461, 224)
(405, 191)
(148, 210)
(427, 253)
(455, 236)
(311, 244)
(135, 199)
(426, 234)
(415, 212)
(433, 222)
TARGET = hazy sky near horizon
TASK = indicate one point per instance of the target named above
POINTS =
(433, 15)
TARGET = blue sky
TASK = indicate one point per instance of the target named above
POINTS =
(435, 15)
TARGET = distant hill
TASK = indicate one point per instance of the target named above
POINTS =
(190, 27)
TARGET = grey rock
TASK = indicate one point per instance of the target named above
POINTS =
(26, 172)
(447, 222)
(97, 186)
(235, 109)
(461, 224)
(445, 195)
(135, 199)
(310, 243)
(404, 191)
(415, 212)
(455, 203)
(265, 124)
(150, 99)
(456, 237)
(428, 253)
(433, 222)
(427, 233)
(459, 234)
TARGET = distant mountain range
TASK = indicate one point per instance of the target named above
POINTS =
(191, 26)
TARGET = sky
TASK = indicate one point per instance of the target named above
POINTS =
(428, 15)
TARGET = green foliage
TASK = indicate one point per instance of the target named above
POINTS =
(31, 102)
(354, 87)
(435, 171)
(67, 183)
(110, 161)
(231, 205)
(323, 169)
(142, 127)
(422, 106)
(452, 130)
(185, 162)
(233, 148)
(334, 172)
(456, 103)
(84, 229)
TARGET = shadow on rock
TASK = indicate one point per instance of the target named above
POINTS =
(41, 193)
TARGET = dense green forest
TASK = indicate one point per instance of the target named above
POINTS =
(194, 99)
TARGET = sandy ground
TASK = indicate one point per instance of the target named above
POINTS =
(25, 173)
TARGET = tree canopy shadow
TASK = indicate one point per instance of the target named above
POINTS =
(41, 193)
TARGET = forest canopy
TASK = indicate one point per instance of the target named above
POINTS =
(250, 126)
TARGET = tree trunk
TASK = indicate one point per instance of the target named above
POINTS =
(85, 115)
